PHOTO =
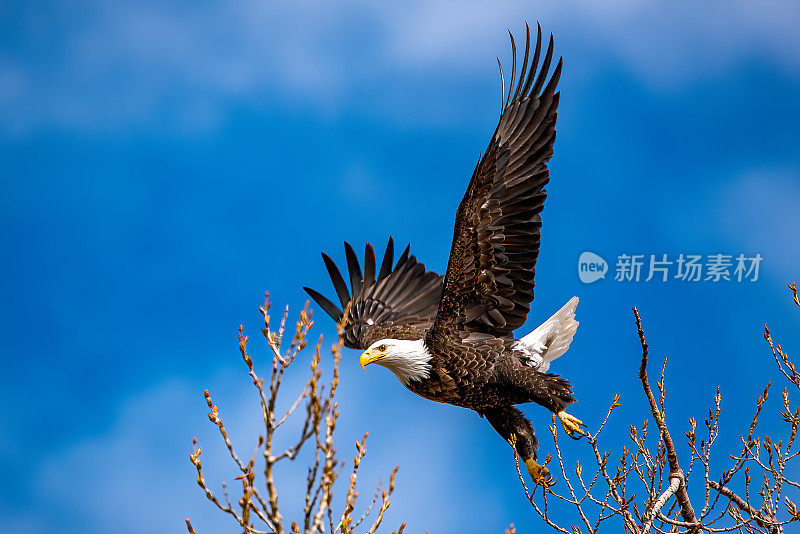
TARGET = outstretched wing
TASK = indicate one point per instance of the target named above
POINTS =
(406, 295)
(489, 282)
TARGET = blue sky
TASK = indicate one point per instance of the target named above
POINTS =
(166, 162)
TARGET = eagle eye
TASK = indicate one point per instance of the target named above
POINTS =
(382, 348)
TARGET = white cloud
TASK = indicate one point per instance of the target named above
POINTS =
(181, 65)
(664, 42)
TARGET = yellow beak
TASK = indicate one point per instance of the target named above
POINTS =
(367, 358)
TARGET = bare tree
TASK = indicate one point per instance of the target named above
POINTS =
(648, 489)
(256, 510)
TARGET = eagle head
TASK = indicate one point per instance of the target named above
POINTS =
(407, 359)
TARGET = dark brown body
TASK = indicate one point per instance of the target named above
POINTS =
(480, 376)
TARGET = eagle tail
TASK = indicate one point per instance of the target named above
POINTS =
(552, 338)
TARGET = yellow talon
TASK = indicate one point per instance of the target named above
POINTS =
(539, 474)
(572, 425)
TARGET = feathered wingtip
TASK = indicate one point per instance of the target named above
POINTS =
(358, 280)
(405, 294)
(528, 82)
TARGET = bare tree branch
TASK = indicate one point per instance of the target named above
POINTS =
(256, 513)
(660, 498)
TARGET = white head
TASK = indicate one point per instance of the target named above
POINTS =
(408, 360)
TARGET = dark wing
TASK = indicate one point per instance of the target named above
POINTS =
(406, 295)
(489, 282)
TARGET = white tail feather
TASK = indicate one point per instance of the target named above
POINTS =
(552, 338)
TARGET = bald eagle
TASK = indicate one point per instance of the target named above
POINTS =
(451, 339)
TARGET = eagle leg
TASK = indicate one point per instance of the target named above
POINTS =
(572, 425)
(517, 430)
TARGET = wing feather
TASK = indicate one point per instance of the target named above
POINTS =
(489, 282)
(404, 296)
(339, 284)
(369, 265)
(329, 307)
(388, 259)
(353, 268)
